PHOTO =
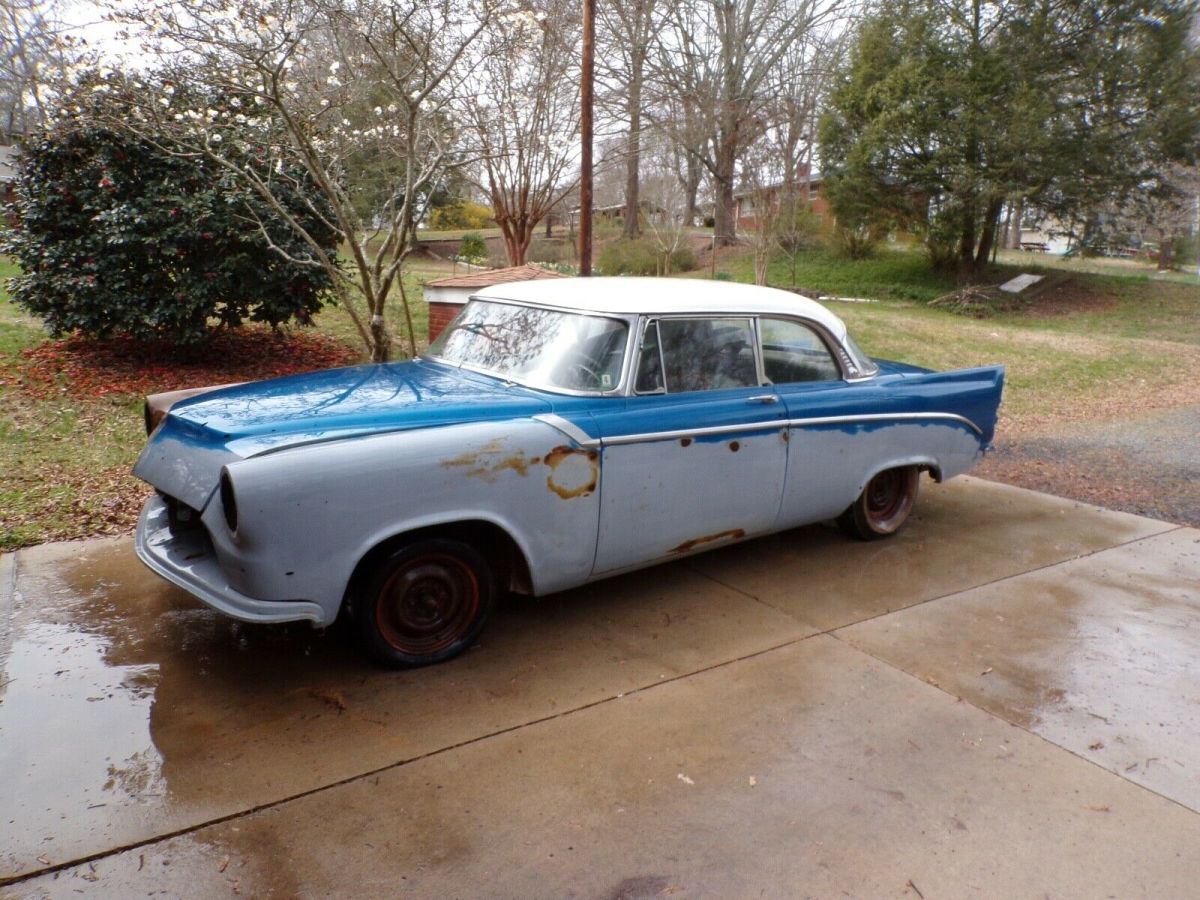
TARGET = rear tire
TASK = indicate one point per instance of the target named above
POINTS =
(424, 603)
(883, 506)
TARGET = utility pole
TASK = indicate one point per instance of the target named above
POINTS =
(585, 129)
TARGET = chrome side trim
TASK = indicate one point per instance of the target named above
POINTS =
(886, 417)
(570, 429)
(773, 425)
(777, 424)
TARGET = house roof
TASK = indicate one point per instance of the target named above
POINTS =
(818, 178)
(494, 276)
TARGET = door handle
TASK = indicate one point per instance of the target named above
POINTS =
(763, 398)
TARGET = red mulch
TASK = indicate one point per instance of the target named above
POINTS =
(83, 367)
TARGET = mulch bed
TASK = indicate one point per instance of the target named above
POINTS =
(85, 368)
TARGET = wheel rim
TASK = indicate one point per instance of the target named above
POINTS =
(427, 604)
(888, 498)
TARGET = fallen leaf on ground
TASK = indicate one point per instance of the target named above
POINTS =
(333, 698)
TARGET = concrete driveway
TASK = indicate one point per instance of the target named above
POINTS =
(1002, 702)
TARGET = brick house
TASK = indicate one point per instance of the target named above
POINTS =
(807, 186)
(447, 296)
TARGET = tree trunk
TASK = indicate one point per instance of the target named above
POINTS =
(1166, 253)
(691, 188)
(724, 226)
(991, 218)
(514, 246)
(1014, 225)
(966, 244)
(633, 160)
(380, 343)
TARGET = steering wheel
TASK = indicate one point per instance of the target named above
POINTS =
(590, 374)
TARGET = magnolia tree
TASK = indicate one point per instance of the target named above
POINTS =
(524, 114)
(356, 93)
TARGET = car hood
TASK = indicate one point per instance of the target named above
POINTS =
(199, 435)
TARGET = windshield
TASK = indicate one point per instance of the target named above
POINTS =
(540, 347)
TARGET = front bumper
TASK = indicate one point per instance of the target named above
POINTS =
(187, 560)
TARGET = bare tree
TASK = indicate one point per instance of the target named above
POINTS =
(524, 113)
(722, 58)
(667, 200)
(676, 118)
(340, 86)
(1160, 211)
(628, 31)
(778, 167)
(31, 49)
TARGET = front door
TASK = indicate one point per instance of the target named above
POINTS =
(697, 457)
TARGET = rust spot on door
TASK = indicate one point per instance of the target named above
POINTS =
(685, 442)
(688, 546)
(735, 446)
(573, 473)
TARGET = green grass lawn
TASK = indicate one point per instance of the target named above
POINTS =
(889, 275)
(47, 446)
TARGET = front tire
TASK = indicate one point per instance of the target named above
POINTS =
(424, 603)
(883, 506)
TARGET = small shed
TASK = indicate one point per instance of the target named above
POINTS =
(447, 296)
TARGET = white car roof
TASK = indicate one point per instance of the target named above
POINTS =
(662, 296)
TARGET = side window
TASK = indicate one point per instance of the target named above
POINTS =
(793, 352)
(706, 354)
(649, 372)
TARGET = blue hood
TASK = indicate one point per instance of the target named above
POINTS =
(382, 397)
(201, 434)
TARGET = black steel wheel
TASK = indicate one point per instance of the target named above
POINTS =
(424, 603)
(883, 506)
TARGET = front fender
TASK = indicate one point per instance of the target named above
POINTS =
(307, 515)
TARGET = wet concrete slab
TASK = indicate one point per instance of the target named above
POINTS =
(1100, 656)
(130, 710)
(964, 533)
(812, 770)
(151, 744)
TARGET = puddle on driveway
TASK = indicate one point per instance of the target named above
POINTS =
(99, 672)
(64, 695)
(131, 710)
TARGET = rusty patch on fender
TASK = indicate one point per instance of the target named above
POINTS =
(573, 473)
(487, 462)
(687, 546)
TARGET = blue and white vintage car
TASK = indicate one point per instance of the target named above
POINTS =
(558, 432)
